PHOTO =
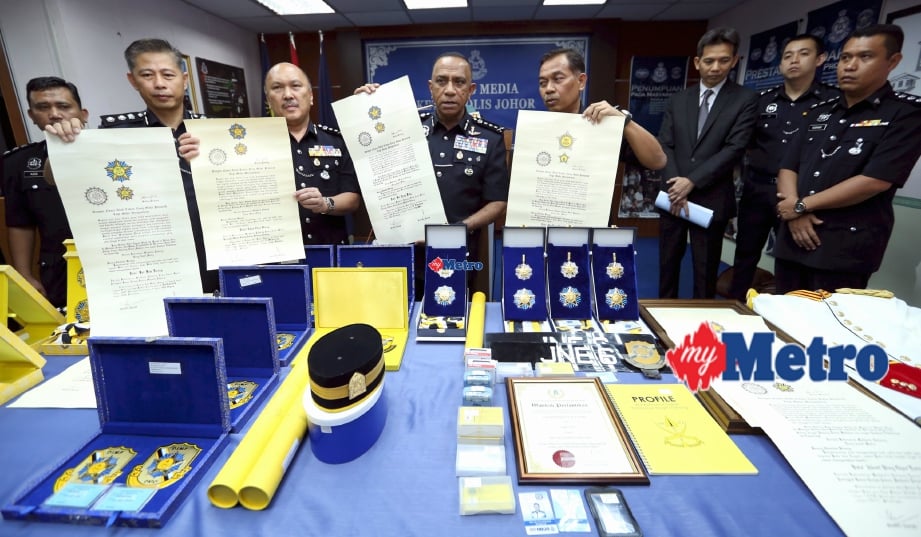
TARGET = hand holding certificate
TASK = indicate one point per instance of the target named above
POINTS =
(384, 135)
(695, 214)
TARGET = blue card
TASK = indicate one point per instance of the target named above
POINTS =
(77, 495)
(120, 498)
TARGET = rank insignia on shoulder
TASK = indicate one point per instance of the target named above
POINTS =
(119, 120)
(19, 148)
(490, 126)
(329, 129)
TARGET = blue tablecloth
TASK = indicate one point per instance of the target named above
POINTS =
(405, 485)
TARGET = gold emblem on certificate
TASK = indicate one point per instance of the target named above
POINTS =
(523, 271)
(284, 340)
(165, 466)
(101, 467)
(240, 392)
(566, 141)
(614, 269)
(118, 170)
(379, 127)
(240, 149)
(569, 269)
(124, 193)
(570, 297)
(616, 298)
(524, 299)
(374, 112)
(444, 295)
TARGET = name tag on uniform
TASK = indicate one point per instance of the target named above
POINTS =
(477, 145)
(817, 127)
(324, 151)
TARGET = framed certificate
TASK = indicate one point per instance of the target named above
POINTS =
(566, 431)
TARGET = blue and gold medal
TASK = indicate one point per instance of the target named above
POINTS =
(101, 467)
(570, 297)
(240, 392)
(284, 340)
(165, 466)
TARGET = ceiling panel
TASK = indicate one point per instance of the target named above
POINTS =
(357, 6)
(447, 15)
(694, 10)
(503, 13)
(228, 9)
(633, 10)
(323, 21)
(268, 25)
(566, 12)
(379, 18)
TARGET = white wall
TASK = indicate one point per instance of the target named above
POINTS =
(901, 268)
(83, 42)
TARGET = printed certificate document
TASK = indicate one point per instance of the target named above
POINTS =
(563, 170)
(245, 190)
(123, 194)
(391, 155)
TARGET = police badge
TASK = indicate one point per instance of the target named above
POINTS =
(284, 340)
(240, 392)
(165, 466)
(101, 467)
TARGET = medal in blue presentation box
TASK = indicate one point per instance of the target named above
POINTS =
(569, 273)
(614, 275)
(379, 255)
(443, 315)
(163, 415)
(524, 280)
(289, 288)
(370, 295)
(318, 256)
(247, 328)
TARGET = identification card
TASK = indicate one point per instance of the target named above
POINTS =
(477, 145)
(76, 495)
(127, 499)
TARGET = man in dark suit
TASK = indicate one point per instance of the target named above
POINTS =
(704, 134)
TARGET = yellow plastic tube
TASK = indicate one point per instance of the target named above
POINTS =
(476, 323)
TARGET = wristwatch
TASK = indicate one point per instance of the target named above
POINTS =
(799, 207)
(628, 117)
(330, 204)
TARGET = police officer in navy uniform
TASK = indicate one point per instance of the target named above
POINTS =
(468, 154)
(325, 182)
(33, 203)
(155, 71)
(837, 182)
(780, 117)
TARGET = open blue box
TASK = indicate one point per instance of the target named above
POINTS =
(614, 275)
(524, 279)
(377, 255)
(569, 273)
(443, 313)
(289, 288)
(163, 417)
(247, 328)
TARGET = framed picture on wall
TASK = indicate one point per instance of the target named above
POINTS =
(191, 97)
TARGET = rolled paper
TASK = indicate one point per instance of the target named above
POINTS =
(265, 476)
(224, 491)
(477, 321)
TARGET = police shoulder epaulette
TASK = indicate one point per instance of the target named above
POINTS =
(491, 126)
(825, 102)
(908, 98)
(424, 115)
(127, 118)
(193, 115)
(19, 148)
(329, 129)
(770, 90)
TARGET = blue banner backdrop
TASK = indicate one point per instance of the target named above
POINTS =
(504, 69)
(653, 80)
(834, 22)
(765, 50)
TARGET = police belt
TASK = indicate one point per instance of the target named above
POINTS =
(762, 178)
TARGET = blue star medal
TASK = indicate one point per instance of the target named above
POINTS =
(165, 466)
(569, 269)
(444, 295)
(614, 269)
(570, 297)
(616, 298)
(524, 299)
(100, 467)
(237, 131)
(523, 271)
(118, 170)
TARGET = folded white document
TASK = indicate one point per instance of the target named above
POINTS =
(696, 214)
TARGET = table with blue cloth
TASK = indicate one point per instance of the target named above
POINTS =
(405, 484)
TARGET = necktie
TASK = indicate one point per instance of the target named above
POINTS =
(704, 110)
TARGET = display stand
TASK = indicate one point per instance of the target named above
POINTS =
(247, 328)
(318, 256)
(524, 280)
(443, 315)
(614, 275)
(163, 418)
(20, 302)
(569, 273)
(289, 288)
(371, 295)
(376, 255)
(20, 365)
(70, 339)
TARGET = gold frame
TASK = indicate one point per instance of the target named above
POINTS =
(637, 475)
(190, 90)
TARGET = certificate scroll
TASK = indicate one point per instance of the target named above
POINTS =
(563, 170)
(125, 202)
(388, 147)
(566, 431)
(244, 184)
